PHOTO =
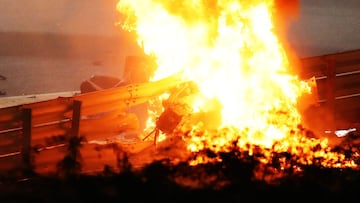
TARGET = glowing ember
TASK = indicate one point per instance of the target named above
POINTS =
(229, 49)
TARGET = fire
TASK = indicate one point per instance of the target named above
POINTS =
(230, 50)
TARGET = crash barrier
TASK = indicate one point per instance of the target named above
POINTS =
(338, 85)
(35, 136)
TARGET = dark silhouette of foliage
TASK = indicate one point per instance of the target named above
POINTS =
(239, 176)
(70, 166)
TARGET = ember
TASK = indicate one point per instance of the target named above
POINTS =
(231, 52)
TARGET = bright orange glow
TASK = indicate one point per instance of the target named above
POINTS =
(229, 49)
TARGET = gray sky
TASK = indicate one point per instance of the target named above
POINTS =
(62, 16)
(323, 26)
(326, 26)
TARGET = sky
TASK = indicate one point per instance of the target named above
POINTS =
(326, 26)
(96, 17)
(323, 26)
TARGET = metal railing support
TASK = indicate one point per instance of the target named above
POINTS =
(330, 91)
(26, 140)
(75, 126)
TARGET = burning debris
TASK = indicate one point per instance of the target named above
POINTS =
(224, 92)
(238, 88)
(229, 118)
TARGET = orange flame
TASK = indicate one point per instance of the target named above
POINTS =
(230, 50)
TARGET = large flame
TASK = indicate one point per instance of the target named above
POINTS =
(230, 50)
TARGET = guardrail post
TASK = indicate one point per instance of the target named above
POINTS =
(26, 141)
(330, 91)
(70, 165)
(75, 126)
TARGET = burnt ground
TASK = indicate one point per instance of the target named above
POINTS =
(239, 177)
(315, 184)
(154, 183)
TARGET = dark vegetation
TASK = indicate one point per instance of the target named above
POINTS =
(235, 179)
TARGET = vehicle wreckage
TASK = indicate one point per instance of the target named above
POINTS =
(174, 110)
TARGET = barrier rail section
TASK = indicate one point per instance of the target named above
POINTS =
(36, 135)
(338, 84)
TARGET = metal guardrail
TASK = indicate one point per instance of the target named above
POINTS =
(28, 131)
(338, 83)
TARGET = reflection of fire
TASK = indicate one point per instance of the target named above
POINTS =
(229, 50)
